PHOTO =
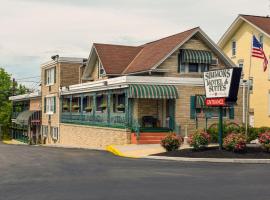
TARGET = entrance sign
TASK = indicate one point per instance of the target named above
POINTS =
(215, 102)
(221, 89)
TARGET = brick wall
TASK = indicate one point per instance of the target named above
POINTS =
(70, 73)
(90, 136)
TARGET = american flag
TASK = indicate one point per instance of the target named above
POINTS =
(257, 51)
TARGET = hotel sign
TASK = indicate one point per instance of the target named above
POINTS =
(223, 83)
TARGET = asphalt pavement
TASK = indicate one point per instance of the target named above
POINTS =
(39, 173)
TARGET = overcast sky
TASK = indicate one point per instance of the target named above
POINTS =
(33, 30)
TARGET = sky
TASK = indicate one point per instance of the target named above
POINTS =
(31, 31)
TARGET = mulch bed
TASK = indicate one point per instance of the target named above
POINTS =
(214, 152)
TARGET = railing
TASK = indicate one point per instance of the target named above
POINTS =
(116, 120)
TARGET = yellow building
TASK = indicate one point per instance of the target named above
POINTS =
(236, 43)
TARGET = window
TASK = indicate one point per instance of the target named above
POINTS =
(261, 39)
(50, 105)
(233, 48)
(50, 76)
(204, 67)
(54, 133)
(193, 67)
(44, 131)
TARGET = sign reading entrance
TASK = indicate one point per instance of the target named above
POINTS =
(215, 102)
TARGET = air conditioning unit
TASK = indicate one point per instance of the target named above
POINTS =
(214, 62)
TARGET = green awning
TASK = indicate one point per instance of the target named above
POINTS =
(23, 117)
(153, 91)
(196, 56)
(200, 101)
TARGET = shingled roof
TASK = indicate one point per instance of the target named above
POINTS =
(119, 59)
(260, 21)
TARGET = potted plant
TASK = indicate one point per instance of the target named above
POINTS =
(88, 109)
(120, 107)
(65, 107)
(103, 106)
(76, 107)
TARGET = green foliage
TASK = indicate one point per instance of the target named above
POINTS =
(171, 142)
(199, 139)
(235, 142)
(6, 90)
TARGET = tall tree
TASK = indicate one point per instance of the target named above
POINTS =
(8, 88)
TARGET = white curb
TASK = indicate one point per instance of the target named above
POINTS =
(212, 160)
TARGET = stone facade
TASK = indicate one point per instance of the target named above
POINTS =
(92, 137)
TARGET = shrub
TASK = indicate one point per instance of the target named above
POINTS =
(227, 128)
(171, 142)
(235, 142)
(264, 140)
(198, 139)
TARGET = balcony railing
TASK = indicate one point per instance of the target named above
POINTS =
(116, 120)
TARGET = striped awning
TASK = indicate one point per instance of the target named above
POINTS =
(200, 101)
(24, 117)
(153, 91)
(196, 56)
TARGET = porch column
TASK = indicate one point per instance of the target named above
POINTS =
(81, 107)
(70, 107)
(109, 94)
(94, 107)
(60, 108)
(127, 110)
(172, 113)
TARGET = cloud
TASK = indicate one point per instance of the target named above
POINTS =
(33, 30)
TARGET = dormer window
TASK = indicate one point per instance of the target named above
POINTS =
(101, 71)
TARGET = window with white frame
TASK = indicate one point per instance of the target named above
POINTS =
(54, 133)
(50, 105)
(44, 131)
(50, 76)
(233, 48)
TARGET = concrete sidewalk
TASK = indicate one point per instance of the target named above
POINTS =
(138, 150)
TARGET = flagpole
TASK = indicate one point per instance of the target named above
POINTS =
(248, 89)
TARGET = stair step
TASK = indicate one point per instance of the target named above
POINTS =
(149, 142)
(153, 134)
(151, 137)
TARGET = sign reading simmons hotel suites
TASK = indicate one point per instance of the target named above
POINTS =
(221, 86)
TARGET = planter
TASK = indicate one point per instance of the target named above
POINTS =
(65, 107)
(88, 109)
(76, 107)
